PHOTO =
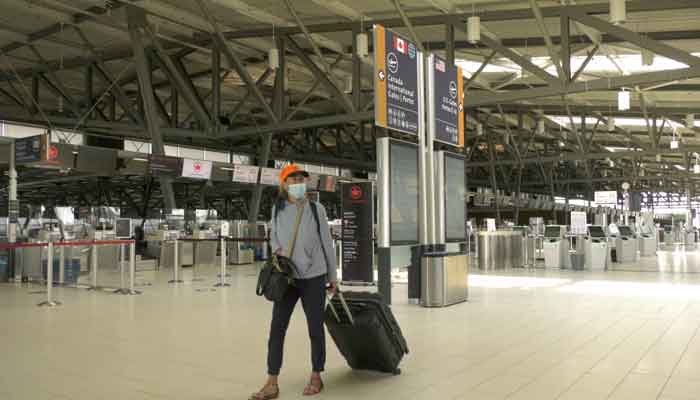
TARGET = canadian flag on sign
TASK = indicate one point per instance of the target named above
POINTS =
(400, 45)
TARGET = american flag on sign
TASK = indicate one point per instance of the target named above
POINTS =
(400, 45)
(440, 65)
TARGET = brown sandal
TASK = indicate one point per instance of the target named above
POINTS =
(313, 390)
(261, 395)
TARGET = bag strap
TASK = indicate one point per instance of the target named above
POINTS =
(293, 241)
(314, 211)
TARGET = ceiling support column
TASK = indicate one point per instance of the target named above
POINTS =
(137, 20)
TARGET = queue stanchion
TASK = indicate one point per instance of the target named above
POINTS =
(61, 265)
(122, 280)
(50, 302)
(132, 269)
(93, 256)
(176, 261)
(222, 274)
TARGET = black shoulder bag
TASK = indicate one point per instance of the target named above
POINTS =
(277, 275)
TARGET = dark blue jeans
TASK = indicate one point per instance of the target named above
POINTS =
(312, 293)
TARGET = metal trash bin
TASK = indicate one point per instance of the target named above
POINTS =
(577, 261)
(414, 270)
(444, 279)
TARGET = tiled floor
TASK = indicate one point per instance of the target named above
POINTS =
(631, 333)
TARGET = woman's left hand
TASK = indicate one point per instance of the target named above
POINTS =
(332, 287)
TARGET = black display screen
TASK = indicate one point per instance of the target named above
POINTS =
(552, 232)
(596, 232)
(123, 228)
(625, 231)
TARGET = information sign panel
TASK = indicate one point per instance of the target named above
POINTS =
(398, 67)
(606, 197)
(270, 176)
(245, 173)
(165, 166)
(358, 218)
(445, 101)
(32, 149)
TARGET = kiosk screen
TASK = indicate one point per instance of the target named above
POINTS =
(596, 232)
(552, 232)
(625, 231)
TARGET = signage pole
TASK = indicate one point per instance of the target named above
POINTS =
(383, 219)
(13, 212)
(429, 164)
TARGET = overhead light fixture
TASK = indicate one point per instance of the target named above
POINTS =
(348, 84)
(690, 121)
(140, 159)
(473, 29)
(647, 57)
(540, 127)
(696, 168)
(611, 162)
(658, 158)
(362, 44)
(618, 11)
(479, 129)
(674, 144)
(226, 168)
(611, 124)
(561, 144)
(273, 58)
(623, 100)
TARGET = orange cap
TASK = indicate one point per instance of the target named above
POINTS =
(291, 169)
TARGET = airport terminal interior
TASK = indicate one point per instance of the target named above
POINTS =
(508, 189)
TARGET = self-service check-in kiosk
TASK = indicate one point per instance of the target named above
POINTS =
(556, 247)
(596, 249)
(626, 245)
(647, 244)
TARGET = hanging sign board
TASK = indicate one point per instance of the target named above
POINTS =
(246, 173)
(357, 205)
(445, 101)
(31, 149)
(38, 151)
(606, 197)
(398, 82)
(196, 169)
(270, 176)
(164, 166)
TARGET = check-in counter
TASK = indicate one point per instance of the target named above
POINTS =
(205, 251)
(500, 249)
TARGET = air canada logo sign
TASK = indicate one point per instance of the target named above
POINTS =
(356, 192)
(53, 153)
(197, 169)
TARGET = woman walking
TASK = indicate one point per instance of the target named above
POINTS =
(312, 253)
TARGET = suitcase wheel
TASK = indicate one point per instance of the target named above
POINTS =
(397, 371)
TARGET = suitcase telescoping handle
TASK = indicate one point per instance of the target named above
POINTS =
(343, 303)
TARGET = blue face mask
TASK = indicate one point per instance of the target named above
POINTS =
(297, 190)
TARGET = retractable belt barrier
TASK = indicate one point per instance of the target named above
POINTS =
(50, 302)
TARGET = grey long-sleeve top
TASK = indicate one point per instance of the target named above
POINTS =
(308, 254)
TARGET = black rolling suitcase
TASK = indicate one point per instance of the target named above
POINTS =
(366, 332)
